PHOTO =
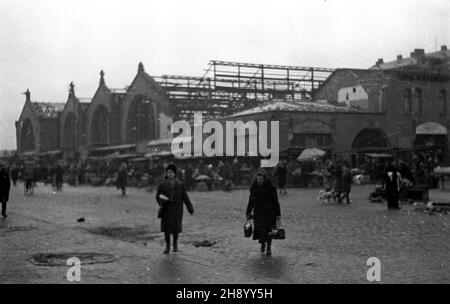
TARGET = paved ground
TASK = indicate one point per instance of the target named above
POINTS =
(325, 243)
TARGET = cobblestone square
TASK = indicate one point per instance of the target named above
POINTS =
(324, 243)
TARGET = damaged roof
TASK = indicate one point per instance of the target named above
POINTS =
(297, 107)
(47, 109)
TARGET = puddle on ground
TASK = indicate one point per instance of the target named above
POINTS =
(7, 229)
(128, 234)
(60, 259)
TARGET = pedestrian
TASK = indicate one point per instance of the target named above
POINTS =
(263, 207)
(171, 196)
(122, 178)
(14, 174)
(281, 173)
(337, 183)
(58, 177)
(346, 182)
(392, 180)
(5, 186)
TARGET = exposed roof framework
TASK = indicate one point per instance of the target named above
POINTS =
(229, 87)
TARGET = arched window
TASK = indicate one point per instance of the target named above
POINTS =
(418, 101)
(371, 140)
(408, 101)
(68, 140)
(27, 142)
(443, 101)
(140, 122)
(100, 127)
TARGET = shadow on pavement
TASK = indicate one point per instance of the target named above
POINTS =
(266, 267)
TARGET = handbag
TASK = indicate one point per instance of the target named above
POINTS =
(278, 232)
(248, 229)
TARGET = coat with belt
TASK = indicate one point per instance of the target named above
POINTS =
(263, 207)
(5, 185)
(172, 209)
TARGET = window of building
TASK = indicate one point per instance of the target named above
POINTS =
(305, 140)
(418, 101)
(408, 101)
(443, 101)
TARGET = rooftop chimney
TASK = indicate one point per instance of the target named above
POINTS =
(443, 48)
(418, 53)
(379, 61)
(399, 57)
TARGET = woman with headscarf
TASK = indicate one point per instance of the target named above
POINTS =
(170, 196)
(263, 207)
(122, 178)
(392, 180)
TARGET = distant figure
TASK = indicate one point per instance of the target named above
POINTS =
(346, 183)
(29, 175)
(263, 207)
(281, 173)
(171, 196)
(58, 173)
(122, 178)
(337, 183)
(189, 180)
(14, 174)
(392, 180)
(5, 186)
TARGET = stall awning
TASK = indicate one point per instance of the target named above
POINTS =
(431, 128)
(115, 148)
(379, 155)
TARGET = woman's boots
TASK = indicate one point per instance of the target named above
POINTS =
(175, 242)
(269, 249)
(266, 247)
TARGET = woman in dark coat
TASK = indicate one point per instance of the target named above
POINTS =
(346, 182)
(264, 208)
(5, 186)
(281, 173)
(170, 196)
(338, 184)
(392, 181)
(122, 178)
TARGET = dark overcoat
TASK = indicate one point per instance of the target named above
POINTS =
(392, 187)
(172, 209)
(122, 178)
(264, 207)
(346, 181)
(5, 185)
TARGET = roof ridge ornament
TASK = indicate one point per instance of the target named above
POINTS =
(140, 67)
(102, 78)
(27, 95)
(71, 88)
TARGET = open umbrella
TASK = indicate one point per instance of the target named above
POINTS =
(310, 154)
(202, 177)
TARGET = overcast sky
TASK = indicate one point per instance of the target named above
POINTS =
(45, 44)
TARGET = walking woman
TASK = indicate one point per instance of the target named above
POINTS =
(170, 196)
(5, 186)
(122, 178)
(392, 180)
(264, 208)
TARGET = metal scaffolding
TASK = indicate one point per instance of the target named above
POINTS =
(228, 87)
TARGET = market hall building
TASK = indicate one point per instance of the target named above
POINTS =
(398, 106)
(114, 120)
